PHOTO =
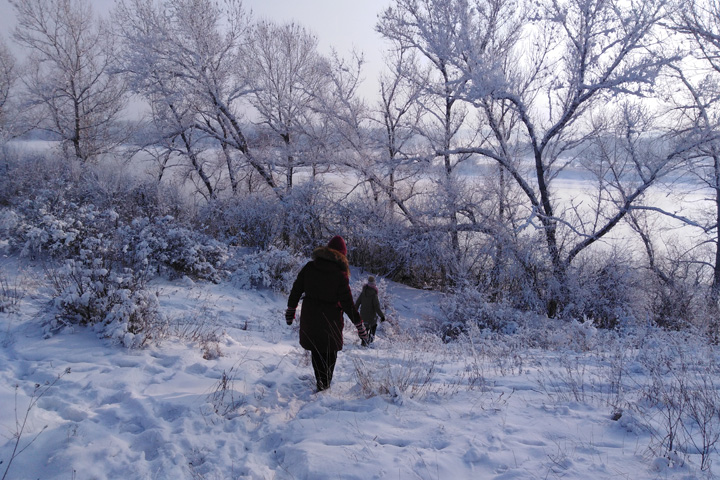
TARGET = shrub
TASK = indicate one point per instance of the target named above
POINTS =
(108, 186)
(59, 229)
(274, 269)
(604, 291)
(680, 404)
(93, 290)
(10, 294)
(307, 215)
(511, 270)
(468, 307)
(251, 221)
(28, 175)
(299, 221)
(382, 243)
(410, 375)
(673, 305)
(224, 398)
(173, 249)
(419, 259)
(51, 180)
(8, 222)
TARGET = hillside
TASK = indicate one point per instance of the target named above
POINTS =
(229, 394)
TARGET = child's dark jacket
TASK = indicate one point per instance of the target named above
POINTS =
(369, 305)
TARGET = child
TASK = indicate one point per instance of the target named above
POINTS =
(369, 306)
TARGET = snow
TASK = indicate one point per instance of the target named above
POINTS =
(410, 407)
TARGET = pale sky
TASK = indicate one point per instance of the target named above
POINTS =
(342, 24)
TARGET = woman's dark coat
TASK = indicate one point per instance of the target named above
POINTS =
(325, 281)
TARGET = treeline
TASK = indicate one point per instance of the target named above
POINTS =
(277, 148)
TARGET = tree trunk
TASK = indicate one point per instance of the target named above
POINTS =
(715, 288)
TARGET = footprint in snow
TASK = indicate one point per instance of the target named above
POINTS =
(65, 410)
(196, 369)
(168, 361)
(150, 443)
(267, 383)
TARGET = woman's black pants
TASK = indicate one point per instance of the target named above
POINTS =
(323, 363)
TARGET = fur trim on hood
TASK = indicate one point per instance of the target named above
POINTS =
(326, 253)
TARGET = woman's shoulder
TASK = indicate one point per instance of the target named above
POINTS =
(324, 257)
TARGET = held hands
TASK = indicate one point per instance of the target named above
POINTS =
(289, 316)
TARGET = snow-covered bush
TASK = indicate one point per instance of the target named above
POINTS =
(508, 270)
(681, 410)
(93, 290)
(420, 259)
(576, 335)
(135, 319)
(513, 274)
(308, 216)
(161, 244)
(468, 306)
(604, 291)
(173, 249)
(60, 229)
(251, 221)
(10, 294)
(372, 240)
(8, 222)
(381, 243)
(300, 221)
(110, 186)
(673, 306)
(274, 269)
(31, 175)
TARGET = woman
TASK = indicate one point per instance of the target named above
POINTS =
(325, 281)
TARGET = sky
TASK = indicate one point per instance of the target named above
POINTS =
(341, 24)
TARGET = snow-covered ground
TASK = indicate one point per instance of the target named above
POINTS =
(245, 407)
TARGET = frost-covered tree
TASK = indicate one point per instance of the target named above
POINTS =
(430, 29)
(539, 95)
(398, 115)
(173, 123)
(287, 74)
(68, 83)
(192, 52)
(8, 77)
(384, 160)
(698, 109)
